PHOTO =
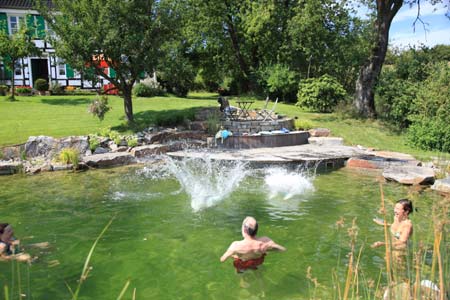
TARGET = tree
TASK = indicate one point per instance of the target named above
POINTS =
(126, 35)
(365, 85)
(14, 47)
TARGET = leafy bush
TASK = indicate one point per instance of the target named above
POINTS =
(3, 90)
(99, 107)
(132, 141)
(281, 81)
(70, 156)
(396, 99)
(94, 142)
(303, 124)
(147, 90)
(23, 89)
(430, 125)
(41, 85)
(213, 123)
(320, 94)
(56, 88)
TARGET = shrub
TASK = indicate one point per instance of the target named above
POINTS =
(396, 99)
(99, 107)
(147, 90)
(213, 123)
(94, 142)
(56, 88)
(281, 81)
(430, 128)
(70, 156)
(3, 90)
(41, 85)
(23, 89)
(132, 141)
(303, 124)
(70, 89)
(320, 94)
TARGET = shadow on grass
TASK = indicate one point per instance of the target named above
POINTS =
(66, 101)
(166, 118)
(202, 97)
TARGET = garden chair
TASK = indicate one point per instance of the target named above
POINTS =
(266, 113)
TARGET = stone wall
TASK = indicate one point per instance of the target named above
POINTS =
(241, 127)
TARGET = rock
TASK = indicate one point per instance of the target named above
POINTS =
(198, 126)
(410, 174)
(109, 159)
(394, 155)
(121, 149)
(39, 146)
(101, 150)
(326, 141)
(10, 167)
(442, 185)
(62, 167)
(80, 143)
(11, 152)
(320, 132)
(149, 150)
(363, 163)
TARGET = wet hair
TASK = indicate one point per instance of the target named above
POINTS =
(407, 205)
(251, 231)
(2, 227)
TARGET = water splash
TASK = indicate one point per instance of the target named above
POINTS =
(287, 183)
(206, 181)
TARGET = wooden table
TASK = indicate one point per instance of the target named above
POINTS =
(245, 107)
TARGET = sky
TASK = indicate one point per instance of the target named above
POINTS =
(402, 33)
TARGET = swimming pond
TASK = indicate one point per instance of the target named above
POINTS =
(173, 221)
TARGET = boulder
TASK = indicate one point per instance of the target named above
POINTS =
(101, 150)
(326, 141)
(319, 132)
(147, 150)
(198, 126)
(410, 174)
(80, 143)
(109, 159)
(39, 146)
(381, 162)
(442, 185)
(11, 152)
(363, 163)
(10, 167)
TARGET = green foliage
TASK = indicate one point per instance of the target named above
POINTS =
(281, 81)
(41, 85)
(128, 33)
(94, 142)
(320, 94)
(69, 156)
(99, 107)
(302, 124)
(430, 128)
(132, 141)
(24, 90)
(395, 99)
(147, 90)
(56, 88)
(213, 123)
(3, 90)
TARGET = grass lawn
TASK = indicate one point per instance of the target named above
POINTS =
(60, 116)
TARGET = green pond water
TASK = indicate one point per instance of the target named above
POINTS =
(170, 231)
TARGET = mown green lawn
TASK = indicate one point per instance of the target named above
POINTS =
(59, 116)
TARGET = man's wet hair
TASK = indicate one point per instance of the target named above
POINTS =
(251, 231)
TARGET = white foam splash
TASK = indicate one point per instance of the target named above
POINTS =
(287, 184)
(207, 182)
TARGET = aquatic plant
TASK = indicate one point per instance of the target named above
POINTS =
(70, 156)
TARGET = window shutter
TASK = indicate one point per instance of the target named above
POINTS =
(4, 23)
(40, 27)
(112, 73)
(69, 71)
(30, 26)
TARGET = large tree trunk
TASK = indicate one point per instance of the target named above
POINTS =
(128, 104)
(364, 94)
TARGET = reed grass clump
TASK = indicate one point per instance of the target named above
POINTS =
(70, 156)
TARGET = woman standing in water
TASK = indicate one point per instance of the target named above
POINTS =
(401, 230)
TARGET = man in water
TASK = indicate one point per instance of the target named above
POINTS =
(250, 252)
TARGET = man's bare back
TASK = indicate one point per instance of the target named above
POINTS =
(251, 250)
